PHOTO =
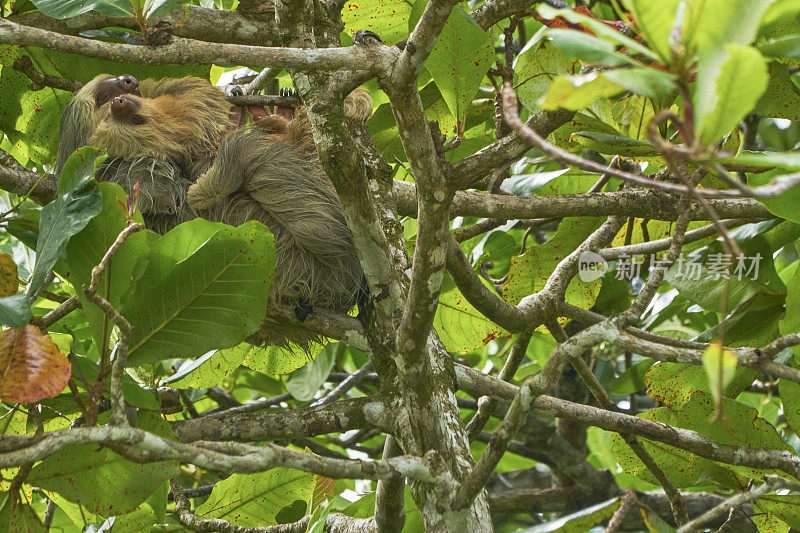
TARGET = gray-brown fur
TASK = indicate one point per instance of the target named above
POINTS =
(80, 117)
(268, 173)
(255, 177)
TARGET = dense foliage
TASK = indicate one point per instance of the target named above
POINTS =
(585, 317)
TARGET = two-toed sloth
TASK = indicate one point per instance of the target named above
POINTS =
(171, 136)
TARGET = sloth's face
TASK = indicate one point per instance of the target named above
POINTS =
(110, 88)
(126, 109)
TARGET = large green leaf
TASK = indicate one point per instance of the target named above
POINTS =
(87, 248)
(782, 97)
(700, 277)
(274, 360)
(582, 520)
(603, 31)
(62, 9)
(15, 311)
(78, 201)
(613, 144)
(208, 371)
(99, 479)
(214, 298)
(740, 427)
(386, 18)
(710, 25)
(535, 68)
(788, 45)
(578, 92)
(304, 382)
(252, 500)
(645, 81)
(738, 84)
(790, 398)
(656, 21)
(530, 271)
(460, 326)
(459, 60)
(674, 383)
(587, 48)
(777, 513)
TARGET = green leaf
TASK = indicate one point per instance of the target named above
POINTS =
(790, 397)
(460, 326)
(600, 29)
(459, 61)
(99, 479)
(632, 380)
(784, 506)
(578, 92)
(304, 382)
(587, 48)
(25, 520)
(386, 18)
(740, 427)
(782, 97)
(529, 272)
(700, 277)
(738, 84)
(781, 47)
(613, 144)
(273, 360)
(534, 70)
(782, 160)
(720, 367)
(655, 21)
(791, 320)
(86, 249)
(254, 500)
(78, 201)
(674, 383)
(649, 82)
(212, 299)
(15, 311)
(711, 25)
(780, 12)
(62, 9)
(209, 370)
(582, 520)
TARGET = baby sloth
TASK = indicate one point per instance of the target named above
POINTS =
(170, 136)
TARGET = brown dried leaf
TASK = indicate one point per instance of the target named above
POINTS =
(31, 367)
(9, 280)
(323, 487)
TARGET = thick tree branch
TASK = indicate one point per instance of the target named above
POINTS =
(629, 203)
(335, 417)
(224, 457)
(190, 52)
(475, 382)
(213, 25)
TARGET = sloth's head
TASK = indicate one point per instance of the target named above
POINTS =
(166, 128)
(104, 88)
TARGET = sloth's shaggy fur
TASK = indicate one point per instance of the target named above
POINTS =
(269, 172)
(258, 177)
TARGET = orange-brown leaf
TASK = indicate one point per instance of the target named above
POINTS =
(31, 366)
(562, 23)
(9, 280)
(323, 487)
